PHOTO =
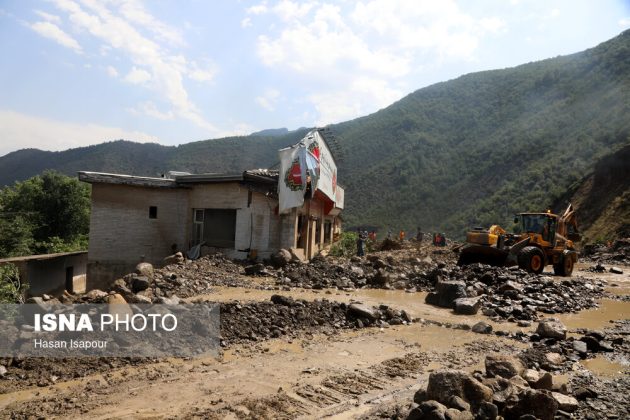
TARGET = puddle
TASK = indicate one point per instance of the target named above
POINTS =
(601, 366)
(597, 318)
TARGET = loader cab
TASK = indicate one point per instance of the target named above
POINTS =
(543, 224)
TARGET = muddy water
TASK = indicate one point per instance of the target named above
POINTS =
(606, 368)
(597, 318)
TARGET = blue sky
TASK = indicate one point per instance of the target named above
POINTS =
(80, 72)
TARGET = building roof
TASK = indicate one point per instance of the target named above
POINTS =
(40, 257)
(264, 176)
(120, 179)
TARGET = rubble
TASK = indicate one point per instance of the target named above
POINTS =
(618, 252)
(282, 315)
(514, 295)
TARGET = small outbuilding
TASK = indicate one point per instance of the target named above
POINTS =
(52, 273)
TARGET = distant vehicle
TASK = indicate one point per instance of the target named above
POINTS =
(539, 239)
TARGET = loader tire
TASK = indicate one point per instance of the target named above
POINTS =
(564, 267)
(531, 259)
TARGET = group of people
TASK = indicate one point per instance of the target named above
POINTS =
(439, 239)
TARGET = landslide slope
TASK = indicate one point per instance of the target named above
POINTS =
(470, 151)
(602, 199)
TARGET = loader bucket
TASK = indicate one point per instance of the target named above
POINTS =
(471, 254)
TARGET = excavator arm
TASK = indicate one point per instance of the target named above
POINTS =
(566, 221)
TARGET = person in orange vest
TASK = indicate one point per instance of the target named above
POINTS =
(401, 235)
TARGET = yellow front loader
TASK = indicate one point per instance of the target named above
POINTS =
(539, 239)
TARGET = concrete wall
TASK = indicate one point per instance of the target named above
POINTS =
(49, 275)
(122, 234)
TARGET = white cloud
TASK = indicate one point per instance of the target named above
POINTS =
(246, 22)
(624, 22)
(357, 57)
(362, 95)
(52, 31)
(258, 9)
(111, 71)
(150, 109)
(122, 30)
(202, 74)
(288, 10)
(134, 12)
(48, 17)
(137, 76)
(269, 99)
(27, 131)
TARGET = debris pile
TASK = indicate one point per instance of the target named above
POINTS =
(511, 293)
(284, 316)
(509, 388)
(616, 252)
(404, 270)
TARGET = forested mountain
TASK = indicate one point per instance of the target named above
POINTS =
(470, 151)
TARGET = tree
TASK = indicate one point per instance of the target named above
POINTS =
(46, 213)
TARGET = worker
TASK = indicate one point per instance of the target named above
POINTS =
(360, 244)
(419, 235)
(401, 235)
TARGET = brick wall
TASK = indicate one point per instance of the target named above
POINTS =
(122, 234)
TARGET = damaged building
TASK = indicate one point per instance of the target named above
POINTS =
(245, 215)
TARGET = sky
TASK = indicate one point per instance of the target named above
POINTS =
(80, 72)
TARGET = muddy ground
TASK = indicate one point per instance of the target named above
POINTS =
(340, 363)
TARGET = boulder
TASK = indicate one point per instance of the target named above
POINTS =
(580, 347)
(539, 404)
(482, 328)
(544, 382)
(487, 411)
(519, 382)
(616, 270)
(448, 291)
(457, 402)
(95, 295)
(447, 383)
(282, 300)
(420, 396)
(467, 306)
(455, 414)
(565, 402)
(591, 343)
(118, 306)
(531, 376)
(140, 283)
(144, 269)
(3, 371)
(504, 366)
(363, 311)
(551, 328)
(255, 269)
(281, 258)
(554, 359)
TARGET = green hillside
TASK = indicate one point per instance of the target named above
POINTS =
(470, 151)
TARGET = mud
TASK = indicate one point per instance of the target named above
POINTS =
(305, 356)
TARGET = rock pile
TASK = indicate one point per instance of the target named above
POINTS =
(617, 252)
(507, 390)
(511, 293)
(379, 270)
(575, 348)
(284, 316)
